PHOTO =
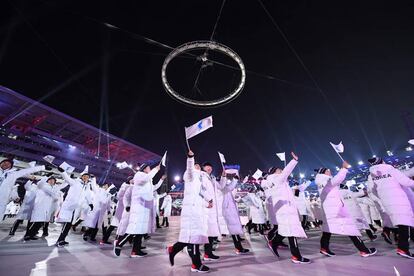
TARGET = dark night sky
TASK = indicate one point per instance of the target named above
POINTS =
(360, 53)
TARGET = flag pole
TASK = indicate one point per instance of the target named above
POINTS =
(284, 161)
(340, 156)
(188, 145)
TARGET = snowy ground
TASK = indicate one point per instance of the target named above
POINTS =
(41, 257)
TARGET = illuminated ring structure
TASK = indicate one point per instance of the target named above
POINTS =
(203, 45)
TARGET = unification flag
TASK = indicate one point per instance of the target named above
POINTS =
(338, 148)
(411, 142)
(198, 127)
(164, 159)
(282, 156)
(49, 158)
(221, 156)
(122, 165)
(68, 168)
(257, 174)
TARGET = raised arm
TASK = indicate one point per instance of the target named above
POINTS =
(23, 172)
(289, 169)
(67, 178)
(159, 184)
(402, 178)
(339, 177)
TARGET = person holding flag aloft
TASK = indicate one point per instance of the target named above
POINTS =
(337, 218)
(287, 215)
(193, 226)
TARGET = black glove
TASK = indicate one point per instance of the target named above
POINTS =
(60, 169)
(48, 167)
(49, 174)
(91, 206)
(127, 208)
(236, 177)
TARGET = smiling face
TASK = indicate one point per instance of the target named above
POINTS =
(51, 181)
(197, 167)
(278, 171)
(85, 178)
(208, 169)
(5, 165)
(105, 186)
(147, 169)
(328, 172)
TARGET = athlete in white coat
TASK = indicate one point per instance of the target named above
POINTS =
(215, 214)
(119, 210)
(287, 214)
(95, 217)
(8, 177)
(166, 210)
(76, 194)
(301, 202)
(26, 208)
(193, 226)
(46, 194)
(337, 218)
(391, 186)
(142, 217)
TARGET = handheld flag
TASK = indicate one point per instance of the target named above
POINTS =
(85, 170)
(338, 148)
(198, 127)
(122, 165)
(49, 158)
(411, 142)
(257, 174)
(221, 156)
(164, 159)
(282, 156)
(67, 167)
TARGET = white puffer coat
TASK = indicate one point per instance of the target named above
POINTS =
(268, 191)
(101, 206)
(391, 187)
(300, 200)
(142, 217)
(8, 179)
(167, 206)
(126, 200)
(194, 217)
(257, 211)
(26, 208)
(366, 204)
(46, 196)
(230, 210)
(372, 193)
(287, 215)
(116, 218)
(78, 192)
(337, 218)
(216, 222)
(352, 204)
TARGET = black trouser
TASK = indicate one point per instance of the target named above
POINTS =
(372, 228)
(272, 233)
(355, 240)
(137, 243)
(293, 245)
(33, 229)
(45, 228)
(165, 221)
(261, 229)
(370, 234)
(237, 242)
(78, 221)
(108, 233)
(193, 251)
(378, 222)
(65, 229)
(16, 224)
(304, 221)
(403, 235)
(157, 221)
(208, 247)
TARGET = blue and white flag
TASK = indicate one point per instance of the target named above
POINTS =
(221, 156)
(164, 159)
(198, 127)
(257, 174)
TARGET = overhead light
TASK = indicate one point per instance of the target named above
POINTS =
(337, 168)
(389, 153)
(409, 148)
(374, 156)
(360, 163)
(177, 178)
(302, 175)
(71, 147)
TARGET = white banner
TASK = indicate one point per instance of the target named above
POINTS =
(198, 127)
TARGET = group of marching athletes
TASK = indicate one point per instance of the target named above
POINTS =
(209, 208)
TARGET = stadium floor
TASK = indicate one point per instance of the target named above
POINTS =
(41, 257)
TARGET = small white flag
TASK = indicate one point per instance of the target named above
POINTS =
(282, 156)
(68, 168)
(122, 165)
(164, 159)
(232, 171)
(49, 158)
(221, 156)
(32, 164)
(245, 179)
(411, 142)
(338, 148)
(198, 127)
(257, 174)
